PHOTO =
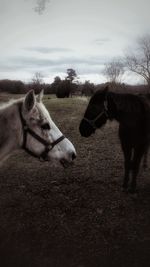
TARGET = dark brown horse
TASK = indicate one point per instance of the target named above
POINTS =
(133, 115)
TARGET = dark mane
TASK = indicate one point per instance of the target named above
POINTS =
(128, 102)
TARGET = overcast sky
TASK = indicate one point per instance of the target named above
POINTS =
(79, 34)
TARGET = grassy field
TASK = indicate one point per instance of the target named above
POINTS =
(75, 217)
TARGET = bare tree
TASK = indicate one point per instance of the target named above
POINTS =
(114, 70)
(37, 82)
(138, 61)
(37, 78)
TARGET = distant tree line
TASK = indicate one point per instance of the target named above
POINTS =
(61, 88)
(12, 86)
(64, 88)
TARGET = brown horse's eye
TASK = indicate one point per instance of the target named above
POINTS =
(45, 126)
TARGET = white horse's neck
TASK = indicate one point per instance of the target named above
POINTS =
(10, 130)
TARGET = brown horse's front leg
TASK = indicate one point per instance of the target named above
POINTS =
(127, 166)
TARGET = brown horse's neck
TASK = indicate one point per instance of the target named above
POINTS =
(125, 107)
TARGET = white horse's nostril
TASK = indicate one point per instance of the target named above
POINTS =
(73, 156)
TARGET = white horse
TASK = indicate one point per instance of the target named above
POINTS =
(26, 124)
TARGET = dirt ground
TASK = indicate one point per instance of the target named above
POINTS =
(75, 217)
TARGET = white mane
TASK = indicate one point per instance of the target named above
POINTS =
(9, 103)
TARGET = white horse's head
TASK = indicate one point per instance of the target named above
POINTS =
(41, 137)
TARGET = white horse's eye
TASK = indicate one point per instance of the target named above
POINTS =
(32, 119)
(45, 126)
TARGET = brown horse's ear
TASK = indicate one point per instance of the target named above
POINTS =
(29, 101)
(106, 89)
(40, 96)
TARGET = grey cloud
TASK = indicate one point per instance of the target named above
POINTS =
(47, 50)
(33, 61)
(79, 69)
(40, 6)
(102, 41)
(83, 65)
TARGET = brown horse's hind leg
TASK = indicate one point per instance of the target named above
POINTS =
(145, 159)
(138, 153)
(127, 164)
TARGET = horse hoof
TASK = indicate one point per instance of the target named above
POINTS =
(124, 189)
(132, 190)
(144, 166)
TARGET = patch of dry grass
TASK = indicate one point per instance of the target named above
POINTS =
(52, 217)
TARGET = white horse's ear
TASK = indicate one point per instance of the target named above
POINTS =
(29, 101)
(40, 96)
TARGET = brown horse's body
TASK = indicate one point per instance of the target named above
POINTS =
(133, 115)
